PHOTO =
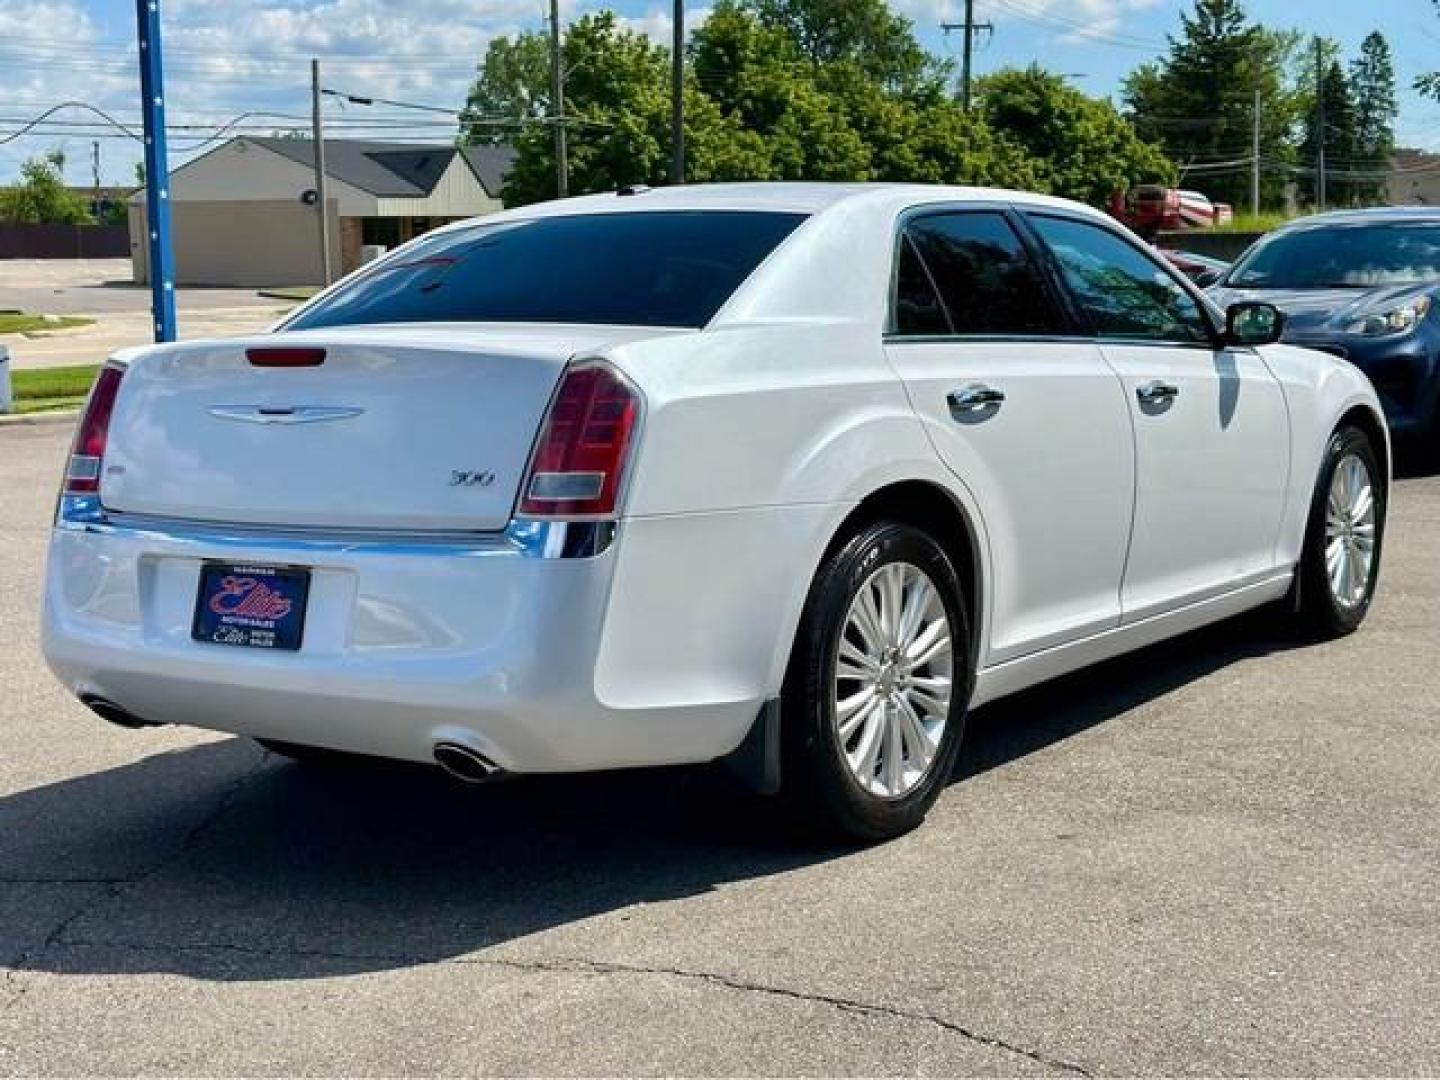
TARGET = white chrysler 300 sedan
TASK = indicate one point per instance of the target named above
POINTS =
(790, 475)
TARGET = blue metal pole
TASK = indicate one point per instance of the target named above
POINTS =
(157, 170)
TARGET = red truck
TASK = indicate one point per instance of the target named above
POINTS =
(1150, 209)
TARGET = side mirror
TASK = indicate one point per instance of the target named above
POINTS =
(1252, 323)
(1205, 278)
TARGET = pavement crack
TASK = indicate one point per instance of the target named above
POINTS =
(113, 888)
(845, 1004)
(582, 966)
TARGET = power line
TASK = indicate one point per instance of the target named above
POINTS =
(1079, 27)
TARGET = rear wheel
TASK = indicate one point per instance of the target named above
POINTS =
(1341, 560)
(878, 687)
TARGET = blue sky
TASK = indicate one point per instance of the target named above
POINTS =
(230, 56)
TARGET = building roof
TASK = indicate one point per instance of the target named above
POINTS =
(394, 170)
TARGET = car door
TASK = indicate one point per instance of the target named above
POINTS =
(1211, 426)
(1026, 413)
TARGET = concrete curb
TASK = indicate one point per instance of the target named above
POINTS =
(59, 416)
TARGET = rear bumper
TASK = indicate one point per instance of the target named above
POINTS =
(496, 643)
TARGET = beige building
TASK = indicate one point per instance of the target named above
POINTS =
(243, 214)
(1414, 179)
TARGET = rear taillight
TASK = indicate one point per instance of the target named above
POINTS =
(87, 455)
(578, 468)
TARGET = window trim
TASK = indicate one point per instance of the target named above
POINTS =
(1038, 256)
(1215, 340)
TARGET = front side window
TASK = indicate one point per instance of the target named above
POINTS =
(987, 281)
(638, 268)
(1126, 294)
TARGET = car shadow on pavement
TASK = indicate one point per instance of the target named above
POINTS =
(221, 862)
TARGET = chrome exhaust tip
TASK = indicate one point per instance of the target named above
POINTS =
(111, 713)
(464, 764)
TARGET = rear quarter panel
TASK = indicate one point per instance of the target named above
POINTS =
(758, 441)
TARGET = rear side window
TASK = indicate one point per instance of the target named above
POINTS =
(1125, 293)
(986, 279)
(918, 311)
(649, 268)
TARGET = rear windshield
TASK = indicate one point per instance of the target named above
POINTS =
(653, 268)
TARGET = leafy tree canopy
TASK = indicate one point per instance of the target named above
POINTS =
(41, 197)
(1081, 147)
(1198, 101)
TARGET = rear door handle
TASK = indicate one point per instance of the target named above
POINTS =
(1157, 393)
(974, 400)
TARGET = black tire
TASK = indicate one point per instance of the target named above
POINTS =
(1321, 614)
(818, 784)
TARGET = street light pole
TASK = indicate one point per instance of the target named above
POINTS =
(157, 171)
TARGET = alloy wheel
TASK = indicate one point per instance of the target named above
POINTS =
(894, 679)
(1350, 532)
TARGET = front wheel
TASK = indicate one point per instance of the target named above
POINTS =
(1341, 560)
(878, 686)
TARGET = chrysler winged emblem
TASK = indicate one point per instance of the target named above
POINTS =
(313, 414)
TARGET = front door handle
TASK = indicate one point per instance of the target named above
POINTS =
(974, 401)
(1157, 393)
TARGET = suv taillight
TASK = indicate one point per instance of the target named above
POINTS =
(578, 466)
(87, 454)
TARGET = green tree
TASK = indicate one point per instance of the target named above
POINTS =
(1198, 101)
(1080, 146)
(513, 84)
(865, 33)
(41, 197)
(617, 101)
(1372, 85)
(1340, 132)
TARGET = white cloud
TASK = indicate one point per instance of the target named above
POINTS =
(658, 23)
(225, 57)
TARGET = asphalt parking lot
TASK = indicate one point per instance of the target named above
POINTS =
(100, 287)
(1220, 856)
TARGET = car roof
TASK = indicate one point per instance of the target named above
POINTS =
(803, 198)
(1375, 215)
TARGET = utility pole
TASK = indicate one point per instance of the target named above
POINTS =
(1320, 124)
(677, 97)
(157, 170)
(1255, 157)
(970, 28)
(322, 204)
(95, 174)
(557, 102)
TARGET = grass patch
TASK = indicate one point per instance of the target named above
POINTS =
(1264, 222)
(52, 388)
(40, 405)
(298, 293)
(12, 322)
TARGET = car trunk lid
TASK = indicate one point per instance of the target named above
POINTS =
(396, 428)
